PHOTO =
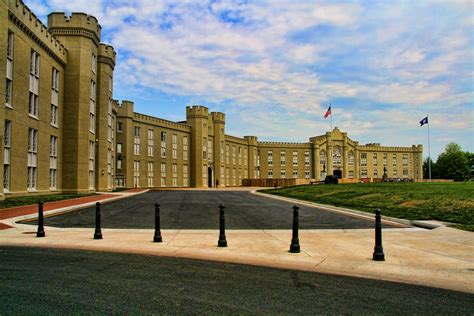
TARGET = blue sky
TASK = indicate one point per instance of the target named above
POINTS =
(275, 66)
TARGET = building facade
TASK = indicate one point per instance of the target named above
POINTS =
(62, 130)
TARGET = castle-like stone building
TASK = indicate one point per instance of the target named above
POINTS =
(63, 131)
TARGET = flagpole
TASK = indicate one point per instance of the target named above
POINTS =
(429, 150)
(330, 106)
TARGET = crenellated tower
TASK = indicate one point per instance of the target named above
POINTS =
(80, 34)
(105, 119)
(218, 120)
(198, 117)
(252, 155)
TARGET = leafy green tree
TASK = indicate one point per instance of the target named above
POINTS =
(453, 163)
(434, 171)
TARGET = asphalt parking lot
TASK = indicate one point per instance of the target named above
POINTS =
(199, 210)
(36, 281)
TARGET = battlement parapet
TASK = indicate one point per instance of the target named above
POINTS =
(388, 149)
(252, 140)
(107, 54)
(161, 122)
(125, 109)
(77, 24)
(234, 139)
(218, 117)
(197, 111)
(285, 145)
(20, 15)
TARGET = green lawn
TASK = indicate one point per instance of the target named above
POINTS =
(29, 200)
(451, 202)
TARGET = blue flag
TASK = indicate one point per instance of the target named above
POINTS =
(424, 121)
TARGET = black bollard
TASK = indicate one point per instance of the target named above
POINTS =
(378, 249)
(295, 242)
(222, 241)
(40, 232)
(98, 232)
(157, 237)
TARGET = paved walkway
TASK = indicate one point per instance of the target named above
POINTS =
(442, 257)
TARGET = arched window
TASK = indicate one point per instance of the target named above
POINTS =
(351, 158)
(337, 156)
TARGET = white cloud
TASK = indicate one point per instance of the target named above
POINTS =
(296, 56)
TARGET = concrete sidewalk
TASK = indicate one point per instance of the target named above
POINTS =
(442, 257)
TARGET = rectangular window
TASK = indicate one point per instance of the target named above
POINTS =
(363, 159)
(110, 177)
(222, 152)
(227, 154)
(119, 127)
(270, 158)
(119, 163)
(53, 162)
(240, 156)
(150, 174)
(136, 140)
(150, 143)
(283, 173)
(33, 107)
(110, 134)
(94, 63)
(9, 83)
(54, 97)
(210, 152)
(385, 160)
(306, 158)
(175, 175)
(111, 84)
(163, 174)
(405, 160)
(245, 156)
(204, 175)
(351, 174)
(185, 175)
(295, 173)
(394, 160)
(374, 159)
(185, 147)
(376, 173)
(283, 158)
(32, 158)
(119, 148)
(306, 174)
(7, 136)
(91, 164)
(270, 174)
(163, 144)
(174, 144)
(295, 159)
(233, 155)
(93, 93)
(136, 173)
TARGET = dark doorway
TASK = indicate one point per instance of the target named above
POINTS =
(209, 177)
(337, 174)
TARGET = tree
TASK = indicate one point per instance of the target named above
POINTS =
(453, 163)
(434, 171)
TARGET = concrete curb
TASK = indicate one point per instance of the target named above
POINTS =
(13, 220)
(346, 211)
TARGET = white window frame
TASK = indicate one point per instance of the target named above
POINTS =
(7, 141)
(32, 159)
(53, 162)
